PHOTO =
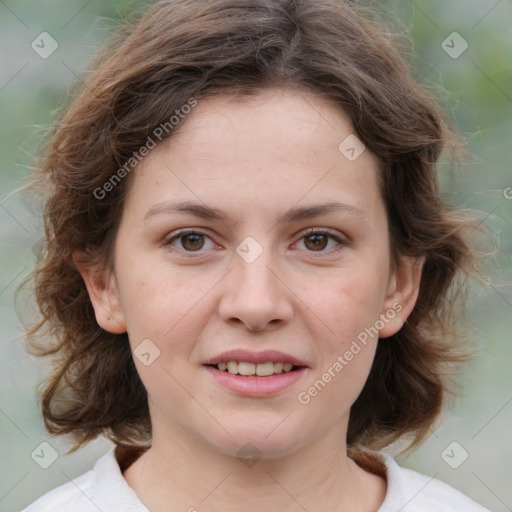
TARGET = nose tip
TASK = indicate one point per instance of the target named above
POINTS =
(254, 296)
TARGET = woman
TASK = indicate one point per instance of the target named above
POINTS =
(247, 265)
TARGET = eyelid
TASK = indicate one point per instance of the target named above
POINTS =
(327, 231)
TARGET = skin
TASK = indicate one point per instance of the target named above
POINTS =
(253, 159)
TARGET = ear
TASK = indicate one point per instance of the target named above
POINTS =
(102, 287)
(401, 295)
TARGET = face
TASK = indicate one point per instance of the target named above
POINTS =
(252, 231)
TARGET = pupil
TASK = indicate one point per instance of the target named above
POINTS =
(319, 241)
(195, 241)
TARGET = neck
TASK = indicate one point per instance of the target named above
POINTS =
(188, 474)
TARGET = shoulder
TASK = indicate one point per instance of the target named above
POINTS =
(78, 492)
(410, 491)
(102, 488)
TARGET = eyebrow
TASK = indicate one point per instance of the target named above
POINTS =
(213, 214)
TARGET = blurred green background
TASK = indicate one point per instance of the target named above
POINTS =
(478, 98)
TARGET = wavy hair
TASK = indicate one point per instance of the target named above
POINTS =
(182, 49)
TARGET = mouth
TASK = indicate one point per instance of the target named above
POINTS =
(250, 373)
(256, 374)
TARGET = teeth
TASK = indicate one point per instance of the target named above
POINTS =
(260, 369)
(246, 368)
(265, 369)
(233, 367)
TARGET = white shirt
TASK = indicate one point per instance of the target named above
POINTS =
(104, 489)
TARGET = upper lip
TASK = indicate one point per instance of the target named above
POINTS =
(250, 356)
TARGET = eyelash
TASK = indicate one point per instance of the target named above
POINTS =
(309, 232)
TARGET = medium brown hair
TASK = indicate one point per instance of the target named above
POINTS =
(183, 49)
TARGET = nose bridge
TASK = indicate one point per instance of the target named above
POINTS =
(255, 295)
(253, 275)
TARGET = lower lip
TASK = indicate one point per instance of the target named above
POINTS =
(256, 386)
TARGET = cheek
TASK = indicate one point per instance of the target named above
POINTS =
(352, 299)
(345, 356)
(338, 381)
(155, 300)
(350, 353)
(169, 308)
(349, 303)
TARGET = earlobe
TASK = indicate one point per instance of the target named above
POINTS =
(402, 293)
(103, 292)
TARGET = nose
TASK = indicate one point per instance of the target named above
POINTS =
(255, 296)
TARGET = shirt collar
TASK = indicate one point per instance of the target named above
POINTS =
(113, 493)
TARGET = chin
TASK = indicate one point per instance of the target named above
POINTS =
(256, 443)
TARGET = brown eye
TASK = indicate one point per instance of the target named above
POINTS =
(322, 241)
(192, 241)
(316, 242)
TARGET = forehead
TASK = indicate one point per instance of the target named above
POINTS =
(308, 123)
(279, 146)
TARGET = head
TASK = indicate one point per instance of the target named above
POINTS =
(249, 109)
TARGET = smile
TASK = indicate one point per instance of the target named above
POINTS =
(252, 384)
